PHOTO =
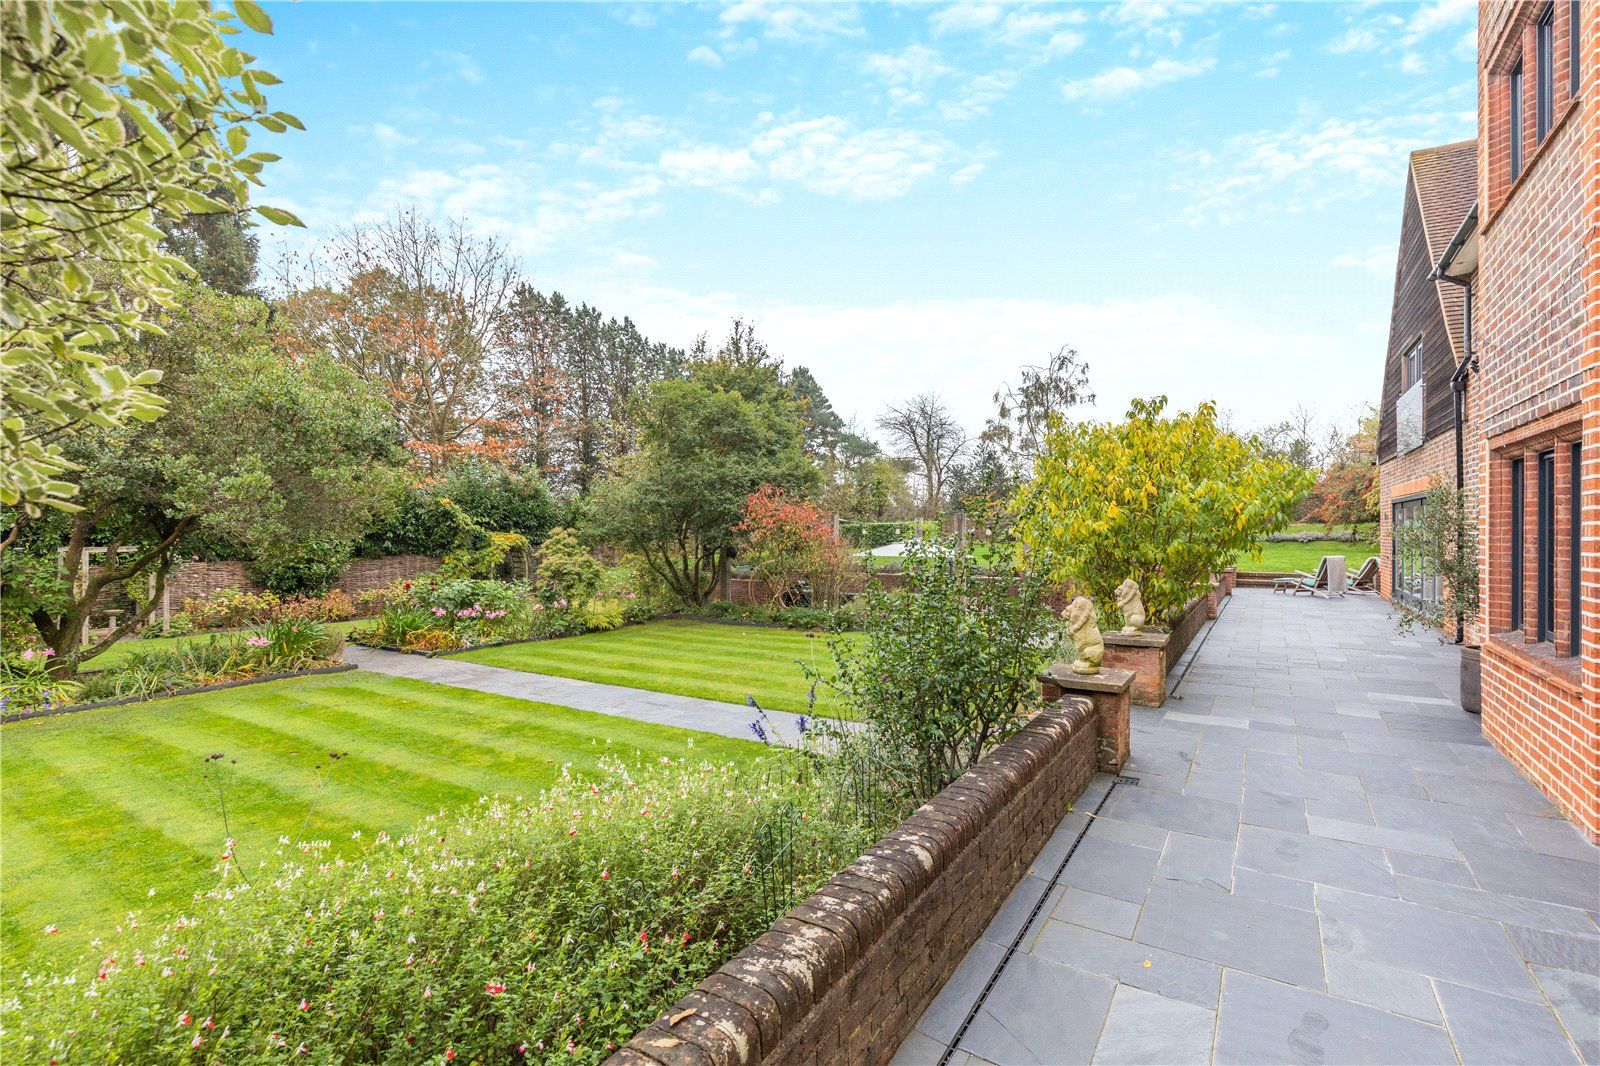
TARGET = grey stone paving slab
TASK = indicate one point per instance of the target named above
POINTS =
(1408, 936)
(1144, 1029)
(1380, 850)
(1238, 932)
(1309, 858)
(1185, 814)
(1380, 836)
(949, 1008)
(1263, 1021)
(920, 1049)
(1094, 911)
(1377, 985)
(1498, 1031)
(1040, 1012)
(1576, 999)
(1495, 905)
(1403, 863)
(1007, 922)
(1520, 872)
(1563, 951)
(1150, 968)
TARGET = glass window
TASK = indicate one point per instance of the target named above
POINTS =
(1517, 560)
(1411, 367)
(1545, 73)
(1575, 553)
(1515, 89)
(1414, 579)
(1572, 48)
(1545, 550)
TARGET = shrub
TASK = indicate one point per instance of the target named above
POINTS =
(793, 551)
(230, 609)
(336, 606)
(495, 497)
(1167, 501)
(26, 684)
(602, 615)
(566, 569)
(307, 569)
(948, 666)
(869, 535)
(551, 927)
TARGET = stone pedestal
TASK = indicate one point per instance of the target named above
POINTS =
(1228, 579)
(1108, 692)
(1144, 655)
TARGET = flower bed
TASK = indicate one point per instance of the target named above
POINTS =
(520, 928)
(442, 616)
(277, 648)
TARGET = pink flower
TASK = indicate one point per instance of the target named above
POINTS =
(28, 654)
(305, 1005)
(184, 1019)
(494, 988)
(48, 652)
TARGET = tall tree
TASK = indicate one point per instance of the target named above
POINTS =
(530, 382)
(116, 116)
(822, 425)
(417, 308)
(702, 451)
(924, 432)
(1041, 394)
(260, 450)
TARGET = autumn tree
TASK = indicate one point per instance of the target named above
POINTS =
(417, 308)
(1024, 410)
(118, 117)
(1346, 492)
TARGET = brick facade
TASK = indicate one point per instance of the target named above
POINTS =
(844, 976)
(196, 580)
(1537, 393)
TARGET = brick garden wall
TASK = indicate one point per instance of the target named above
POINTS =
(196, 580)
(844, 976)
(1538, 320)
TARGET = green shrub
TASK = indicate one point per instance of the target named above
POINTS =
(230, 609)
(567, 572)
(521, 929)
(497, 498)
(869, 535)
(305, 569)
(948, 666)
(601, 615)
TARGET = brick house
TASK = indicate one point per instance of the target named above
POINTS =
(1418, 431)
(1528, 252)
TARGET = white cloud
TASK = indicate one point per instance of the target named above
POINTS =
(1308, 166)
(464, 66)
(916, 67)
(830, 156)
(1440, 15)
(962, 18)
(708, 166)
(1356, 39)
(967, 173)
(390, 139)
(1042, 30)
(870, 355)
(976, 96)
(705, 54)
(1378, 260)
(1121, 81)
(795, 23)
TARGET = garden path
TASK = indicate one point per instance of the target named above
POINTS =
(685, 712)
(1322, 861)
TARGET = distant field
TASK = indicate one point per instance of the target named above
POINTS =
(1286, 556)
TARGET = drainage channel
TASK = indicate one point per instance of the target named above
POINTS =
(1027, 924)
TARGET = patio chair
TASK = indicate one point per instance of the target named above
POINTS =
(1328, 580)
(1365, 578)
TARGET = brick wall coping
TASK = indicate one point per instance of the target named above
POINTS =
(1108, 679)
(1150, 638)
(774, 993)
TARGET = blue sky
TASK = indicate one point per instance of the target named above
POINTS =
(1202, 198)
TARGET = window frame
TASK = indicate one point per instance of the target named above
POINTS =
(1411, 366)
(1544, 74)
(1575, 552)
(1514, 88)
(1517, 518)
(1573, 19)
(1544, 550)
(1409, 579)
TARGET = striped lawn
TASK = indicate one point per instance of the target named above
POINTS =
(105, 812)
(705, 659)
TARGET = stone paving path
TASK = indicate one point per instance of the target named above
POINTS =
(685, 712)
(1322, 862)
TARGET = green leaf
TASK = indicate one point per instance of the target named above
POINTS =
(279, 216)
(251, 15)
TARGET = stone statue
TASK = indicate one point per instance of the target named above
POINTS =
(1081, 626)
(1131, 604)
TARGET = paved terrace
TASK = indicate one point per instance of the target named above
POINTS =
(1322, 862)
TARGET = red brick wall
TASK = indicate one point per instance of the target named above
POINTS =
(196, 580)
(844, 976)
(1538, 300)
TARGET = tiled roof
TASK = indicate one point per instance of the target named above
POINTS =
(1446, 180)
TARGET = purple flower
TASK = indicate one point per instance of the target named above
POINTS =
(803, 724)
(761, 734)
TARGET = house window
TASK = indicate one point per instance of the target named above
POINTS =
(1517, 560)
(1515, 83)
(1413, 579)
(1545, 550)
(1575, 554)
(1572, 49)
(1411, 367)
(1545, 72)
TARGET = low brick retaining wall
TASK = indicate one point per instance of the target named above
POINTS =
(844, 976)
(198, 580)
(1152, 654)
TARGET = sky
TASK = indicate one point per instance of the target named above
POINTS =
(1202, 199)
